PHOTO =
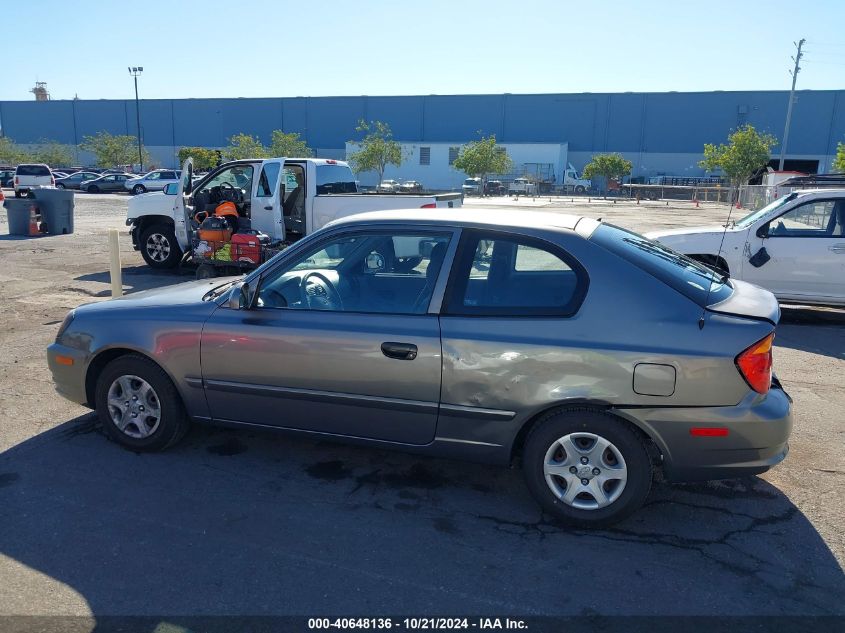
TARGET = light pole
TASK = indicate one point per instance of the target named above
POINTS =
(135, 71)
(795, 72)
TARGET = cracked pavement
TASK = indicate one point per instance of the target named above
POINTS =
(236, 522)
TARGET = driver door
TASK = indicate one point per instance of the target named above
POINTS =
(341, 339)
(181, 211)
(807, 249)
(267, 197)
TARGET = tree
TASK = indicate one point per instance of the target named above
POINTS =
(113, 150)
(11, 153)
(482, 157)
(378, 149)
(204, 158)
(53, 153)
(288, 145)
(746, 152)
(610, 166)
(245, 146)
(839, 162)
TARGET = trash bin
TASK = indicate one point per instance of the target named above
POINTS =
(56, 206)
(18, 212)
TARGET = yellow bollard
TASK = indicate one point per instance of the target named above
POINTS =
(114, 264)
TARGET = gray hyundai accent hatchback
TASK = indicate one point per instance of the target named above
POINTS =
(587, 353)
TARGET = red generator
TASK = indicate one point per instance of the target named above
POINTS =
(246, 247)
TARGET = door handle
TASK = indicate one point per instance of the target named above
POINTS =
(270, 208)
(839, 249)
(401, 351)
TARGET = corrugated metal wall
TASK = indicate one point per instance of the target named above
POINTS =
(628, 122)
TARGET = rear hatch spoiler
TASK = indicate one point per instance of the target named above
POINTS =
(748, 300)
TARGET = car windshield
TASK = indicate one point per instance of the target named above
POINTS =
(751, 218)
(470, 181)
(692, 279)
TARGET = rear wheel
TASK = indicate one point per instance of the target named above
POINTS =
(59, 185)
(139, 405)
(159, 247)
(93, 189)
(586, 467)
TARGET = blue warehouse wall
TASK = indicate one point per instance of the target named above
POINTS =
(644, 123)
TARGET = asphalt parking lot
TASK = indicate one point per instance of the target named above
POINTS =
(234, 522)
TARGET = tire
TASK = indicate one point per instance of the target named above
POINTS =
(139, 189)
(17, 194)
(135, 385)
(583, 428)
(206, 271)
(159, 247)
(712, 261)
(93, 189)
(59, 186)
(580, 189)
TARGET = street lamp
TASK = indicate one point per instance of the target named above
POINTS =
(135, 71)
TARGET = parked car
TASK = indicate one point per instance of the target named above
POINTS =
(794, 247)
(28, 176)
(472, 187)
(388, 186)
(75, 179)
(411, 186)
(7, 177)
(156, 180)
(523, 186)
(601, 356)
(495, 188)
(106, 182)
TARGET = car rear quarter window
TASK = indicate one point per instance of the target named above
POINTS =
(689, 277)
(497, 274)
(32, 170)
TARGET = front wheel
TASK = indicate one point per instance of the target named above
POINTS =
(93, 189)
(159, 247)
(139, 406)
(579, 189)
(139, 189)
(586, 467)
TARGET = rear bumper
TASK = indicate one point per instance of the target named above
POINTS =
(757, 437)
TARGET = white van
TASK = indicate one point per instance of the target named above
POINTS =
(29, 176)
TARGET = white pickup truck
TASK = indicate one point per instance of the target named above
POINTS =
(794, 247)
(285, 198)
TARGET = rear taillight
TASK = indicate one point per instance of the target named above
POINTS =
(52, 180)
(430, 205)
(755, 364)
(17, 180)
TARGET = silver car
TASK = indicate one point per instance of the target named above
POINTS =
(591, 355)
(156, 180)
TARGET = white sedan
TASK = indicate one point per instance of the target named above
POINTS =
(794, 247)
(156, 180)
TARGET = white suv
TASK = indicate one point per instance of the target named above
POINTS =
(29, 176)
(794, 247)
(156, 180)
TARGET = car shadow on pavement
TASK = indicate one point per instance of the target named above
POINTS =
(815, 330)
(246, 523)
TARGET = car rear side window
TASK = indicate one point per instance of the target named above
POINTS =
(33, 170)
(504, 275)
(689, 277)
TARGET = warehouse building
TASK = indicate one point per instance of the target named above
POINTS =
(661, 133)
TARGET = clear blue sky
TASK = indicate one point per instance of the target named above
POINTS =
(267, 48)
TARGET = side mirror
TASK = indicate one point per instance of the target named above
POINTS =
(171, 189)
(239, 296)
(763, 231)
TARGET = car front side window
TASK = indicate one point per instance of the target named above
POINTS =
(819, 218)
(383, 272)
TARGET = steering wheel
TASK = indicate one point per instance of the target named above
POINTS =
(318, 293)
(226, 185)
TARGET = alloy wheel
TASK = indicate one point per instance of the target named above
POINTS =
(158, 247)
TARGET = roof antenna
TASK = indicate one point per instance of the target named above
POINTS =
(718, 256)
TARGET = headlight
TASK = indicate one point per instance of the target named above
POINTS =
(65, 324)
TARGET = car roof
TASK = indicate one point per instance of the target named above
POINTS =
(477, 217)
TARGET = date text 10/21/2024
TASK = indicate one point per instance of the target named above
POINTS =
(421, 623)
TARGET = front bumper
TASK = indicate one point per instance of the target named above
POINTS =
(68, 379)
(757, 437)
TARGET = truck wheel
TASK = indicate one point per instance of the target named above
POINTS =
(159, 247)
(580, 189)
(139, 189)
